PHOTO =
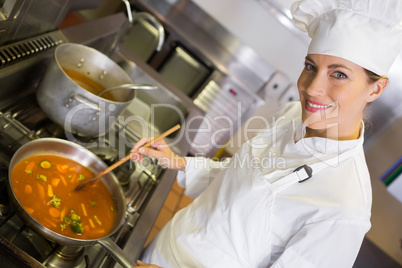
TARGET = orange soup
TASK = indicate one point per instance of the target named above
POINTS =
(88, 84)
(44, 185)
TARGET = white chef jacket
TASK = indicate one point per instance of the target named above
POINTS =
(249, 212)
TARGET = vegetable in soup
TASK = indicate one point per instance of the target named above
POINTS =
(44, 185)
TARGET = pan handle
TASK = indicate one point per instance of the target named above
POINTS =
(82, 99)
(117, 253)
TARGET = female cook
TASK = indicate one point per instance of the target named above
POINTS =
(312, 208)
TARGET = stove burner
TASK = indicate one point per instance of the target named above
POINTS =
(65, 256)
(12, 256)
(16, 232)
(4, 202)
(52, 130)
(109, 155)
(5, 207)
(31, 117)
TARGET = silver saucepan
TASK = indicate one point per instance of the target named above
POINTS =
(83, 156)
(68, 92)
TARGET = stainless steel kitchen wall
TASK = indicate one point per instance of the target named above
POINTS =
(236, 73)
(208, 40)
(20, 19)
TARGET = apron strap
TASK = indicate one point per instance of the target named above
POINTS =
(300, 174)
(305, 172)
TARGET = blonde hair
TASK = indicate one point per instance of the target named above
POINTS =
(373, 77)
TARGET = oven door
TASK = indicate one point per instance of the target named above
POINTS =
(141, 39)
(184, 71)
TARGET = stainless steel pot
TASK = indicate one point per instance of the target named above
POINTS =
(85, 157)
(64, 99)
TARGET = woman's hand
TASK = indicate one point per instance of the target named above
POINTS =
(161, 151)
(145, 265)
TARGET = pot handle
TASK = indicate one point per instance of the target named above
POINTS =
(117, 253)
(86, 101)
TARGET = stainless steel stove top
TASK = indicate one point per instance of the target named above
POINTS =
(21, 120)
(24, 121)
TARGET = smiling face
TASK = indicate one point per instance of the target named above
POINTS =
(333, 94)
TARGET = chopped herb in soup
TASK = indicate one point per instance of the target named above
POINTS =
(44, 185)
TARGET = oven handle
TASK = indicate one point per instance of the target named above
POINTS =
(117, 253)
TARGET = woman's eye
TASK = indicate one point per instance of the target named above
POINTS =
(309, 67)
(340, 75)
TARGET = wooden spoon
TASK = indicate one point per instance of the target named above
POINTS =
(98, 176)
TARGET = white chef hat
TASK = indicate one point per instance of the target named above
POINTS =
(365, 32)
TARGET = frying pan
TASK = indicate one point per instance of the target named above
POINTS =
(86, 158)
